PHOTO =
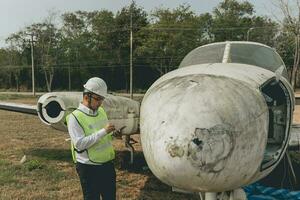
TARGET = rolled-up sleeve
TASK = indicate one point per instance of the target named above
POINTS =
(80, 141)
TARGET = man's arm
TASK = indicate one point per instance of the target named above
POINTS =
(80, 141)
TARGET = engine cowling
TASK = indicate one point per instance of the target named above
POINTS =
(54, 107)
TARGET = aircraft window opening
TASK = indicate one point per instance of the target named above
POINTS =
(256, 55)
(278, 102)
(206, 54)
(53, 109)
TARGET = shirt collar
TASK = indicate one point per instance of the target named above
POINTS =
(86, 110)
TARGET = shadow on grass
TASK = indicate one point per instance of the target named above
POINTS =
(153, 188)
(122, 162)
(51, 154)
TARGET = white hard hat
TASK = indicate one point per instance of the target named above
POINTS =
(97, 86)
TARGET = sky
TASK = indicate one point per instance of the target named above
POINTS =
(17, 14)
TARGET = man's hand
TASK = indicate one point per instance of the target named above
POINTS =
(109, 128)
(118, 133)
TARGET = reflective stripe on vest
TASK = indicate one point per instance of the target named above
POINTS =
(102, 151)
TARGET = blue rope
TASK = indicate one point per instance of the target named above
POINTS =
(258, 192)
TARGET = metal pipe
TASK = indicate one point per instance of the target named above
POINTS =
(210, 196)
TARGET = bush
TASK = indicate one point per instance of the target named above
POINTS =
(33, 165)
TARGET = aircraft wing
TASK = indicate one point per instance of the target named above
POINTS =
(19, 107)
(52, 109)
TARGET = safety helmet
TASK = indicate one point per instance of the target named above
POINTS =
(97, 86)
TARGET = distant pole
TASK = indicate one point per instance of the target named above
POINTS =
(69, 73)
(248, 33)
(32, 65)
(131, 35)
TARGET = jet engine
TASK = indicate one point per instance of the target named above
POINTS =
(54, 107)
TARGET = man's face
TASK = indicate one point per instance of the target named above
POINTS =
(96, 101)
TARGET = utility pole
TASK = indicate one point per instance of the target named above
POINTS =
(32, 65)
(131, 35)
(69, 68)
(69, 73)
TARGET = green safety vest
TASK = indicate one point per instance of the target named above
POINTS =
(102, 151)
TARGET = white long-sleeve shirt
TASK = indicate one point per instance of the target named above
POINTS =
(80, 141)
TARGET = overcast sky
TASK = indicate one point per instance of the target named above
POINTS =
(16, 14)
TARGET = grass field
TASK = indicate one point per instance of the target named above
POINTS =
(48, 172)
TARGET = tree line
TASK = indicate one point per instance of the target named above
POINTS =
(74, 46)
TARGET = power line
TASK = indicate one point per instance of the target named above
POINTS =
(85, 67)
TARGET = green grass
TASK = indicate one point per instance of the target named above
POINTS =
(6, 173)
(33, 165)
(37, 169)
(51, 154)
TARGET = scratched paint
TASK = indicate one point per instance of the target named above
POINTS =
(210, 147)
(175, 150)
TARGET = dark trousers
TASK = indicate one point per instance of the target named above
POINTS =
(97, 180)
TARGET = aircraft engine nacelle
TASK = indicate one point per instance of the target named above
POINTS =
(215, 127)
(54, 107)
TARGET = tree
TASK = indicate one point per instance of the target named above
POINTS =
(121, 41)
(47, 38)
(172, 34)
(98, 43)
(103, 27)
(263, 30)
(15, 64)
(13, 59)
(291, 29)
(233, 20)
(80, 43)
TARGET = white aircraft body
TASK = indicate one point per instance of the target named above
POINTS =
(221, 121)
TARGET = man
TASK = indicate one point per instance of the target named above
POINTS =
(91, 146)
